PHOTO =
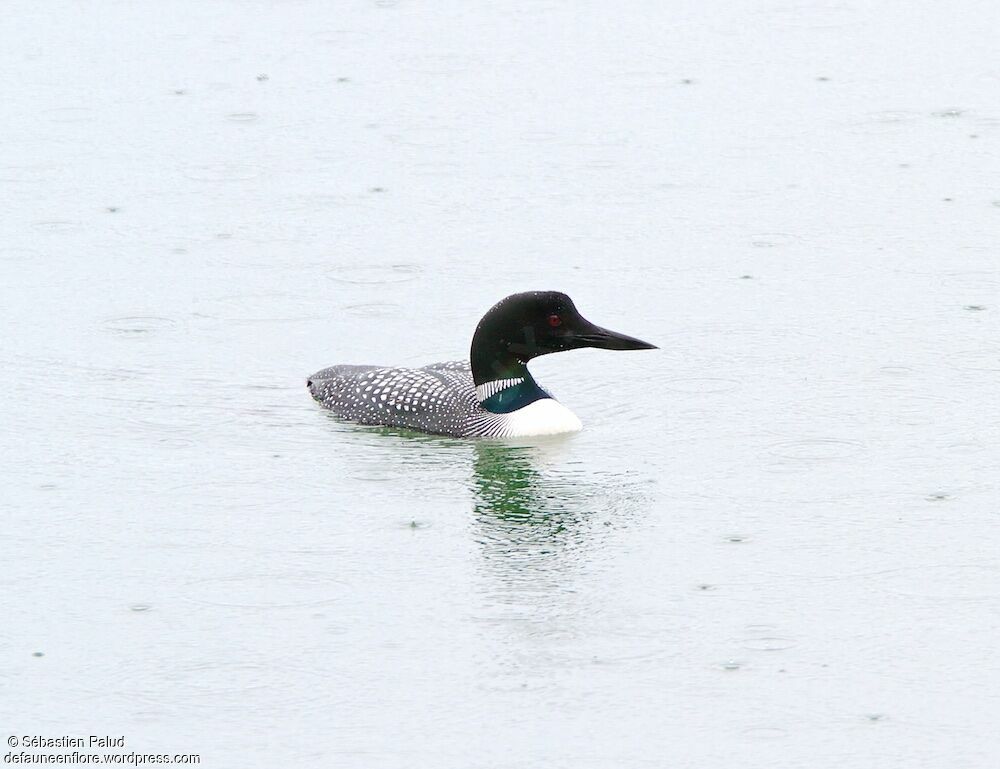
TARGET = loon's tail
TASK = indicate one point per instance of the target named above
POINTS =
(319, 383)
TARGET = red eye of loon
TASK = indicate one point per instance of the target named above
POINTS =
(555, 320)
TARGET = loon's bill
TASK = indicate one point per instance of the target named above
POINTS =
(491, 396)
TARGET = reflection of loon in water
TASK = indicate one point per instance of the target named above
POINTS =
(507, 485)
(494, 395)
(535, 515)
(520, 508)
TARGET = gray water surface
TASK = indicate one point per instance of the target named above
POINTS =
(774, 543)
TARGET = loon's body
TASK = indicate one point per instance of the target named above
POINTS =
(493, 395)
(440, 398)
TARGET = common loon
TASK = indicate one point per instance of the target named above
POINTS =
(495, 396)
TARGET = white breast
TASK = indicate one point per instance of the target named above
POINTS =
(542, 417)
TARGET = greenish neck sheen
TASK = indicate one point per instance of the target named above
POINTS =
(516, 396)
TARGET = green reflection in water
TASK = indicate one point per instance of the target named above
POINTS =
(535, 500)
(543, 520)
(519, 507)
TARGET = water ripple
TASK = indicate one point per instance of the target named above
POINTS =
(375, 274)
(222, 172)
(816, 449)
(129, 325)
(704, 385)
(265, 591)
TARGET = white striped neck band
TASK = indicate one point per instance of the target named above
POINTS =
(488, 389)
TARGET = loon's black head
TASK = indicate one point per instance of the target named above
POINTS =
(524, 326)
